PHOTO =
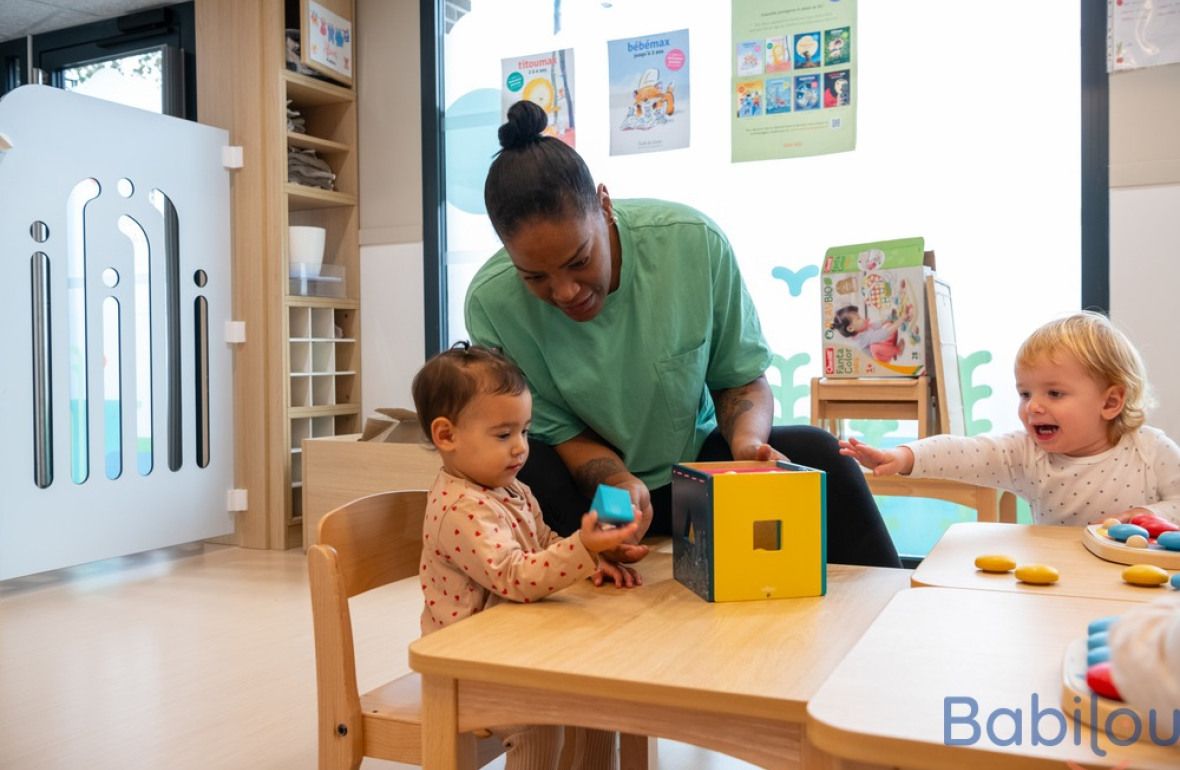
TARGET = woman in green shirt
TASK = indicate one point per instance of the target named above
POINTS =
(640, 344)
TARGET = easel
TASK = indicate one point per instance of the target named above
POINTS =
(933, 400)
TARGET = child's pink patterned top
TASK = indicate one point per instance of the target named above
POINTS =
(484, 546)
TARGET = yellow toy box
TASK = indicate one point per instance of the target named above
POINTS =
(873, 300)
(749, 530)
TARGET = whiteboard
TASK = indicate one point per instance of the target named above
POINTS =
(945, 363)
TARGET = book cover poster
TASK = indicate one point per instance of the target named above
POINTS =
(778, 56)
(778, 95)
(748, 95)
(649, 94)
(329, 39)
(546, 79)
(749, 57)
(794, 78)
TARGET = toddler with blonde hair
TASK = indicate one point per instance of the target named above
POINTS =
(1084, 454)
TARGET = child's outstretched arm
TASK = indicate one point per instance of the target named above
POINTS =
(883, 462)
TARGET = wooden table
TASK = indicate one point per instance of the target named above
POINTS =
(884, 703)
(655, 660)
(951, 563)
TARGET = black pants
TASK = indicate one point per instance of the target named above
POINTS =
(856, 532)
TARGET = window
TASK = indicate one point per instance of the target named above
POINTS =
(961, 140)
(144, 60)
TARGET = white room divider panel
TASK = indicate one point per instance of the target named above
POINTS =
(116, 393)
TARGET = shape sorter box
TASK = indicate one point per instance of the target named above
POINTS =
(749, 530)
(873, 304)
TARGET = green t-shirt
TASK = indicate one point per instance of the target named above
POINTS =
(639, 373)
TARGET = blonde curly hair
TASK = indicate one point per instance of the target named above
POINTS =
(1105, 353)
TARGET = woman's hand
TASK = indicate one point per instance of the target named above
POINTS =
(640, 504)
(883, 462)
(757, 450)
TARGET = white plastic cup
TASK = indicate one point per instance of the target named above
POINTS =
(306, 249)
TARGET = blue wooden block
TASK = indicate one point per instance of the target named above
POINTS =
(613, 505)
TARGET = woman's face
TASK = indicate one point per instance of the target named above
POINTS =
(572, 263)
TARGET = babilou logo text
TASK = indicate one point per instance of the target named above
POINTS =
(963, 725)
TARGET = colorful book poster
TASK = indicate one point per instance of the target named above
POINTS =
(329, 39)
(649, 93)
(546, 79)
(793, 83)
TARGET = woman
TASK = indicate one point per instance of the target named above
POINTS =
(640, 343)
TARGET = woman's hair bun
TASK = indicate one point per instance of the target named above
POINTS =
(525, 123)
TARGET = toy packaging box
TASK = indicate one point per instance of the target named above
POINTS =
(749, 530)
(873, 304)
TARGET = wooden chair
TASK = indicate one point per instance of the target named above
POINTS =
(362, 545)
(834, 400)
(990, 504)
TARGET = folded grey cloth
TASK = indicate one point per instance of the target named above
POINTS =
(294, 60)
(304, 166)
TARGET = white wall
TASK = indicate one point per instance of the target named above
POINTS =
(1145, 287)
(392, 312)
(1145, 226)
(390, 159)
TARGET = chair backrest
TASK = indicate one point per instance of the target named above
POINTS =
(378, 539)
(361, 545)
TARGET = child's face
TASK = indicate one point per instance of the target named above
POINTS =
(1064, 409)
(856, 323)
(489, 443)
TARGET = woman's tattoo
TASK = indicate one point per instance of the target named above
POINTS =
(732, 405)
(589, 474)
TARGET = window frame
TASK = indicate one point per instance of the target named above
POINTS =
(171, 28)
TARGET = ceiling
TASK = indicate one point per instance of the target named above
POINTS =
(30, 17)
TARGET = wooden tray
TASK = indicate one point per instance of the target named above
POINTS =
(1079, 701)
(1112, 550)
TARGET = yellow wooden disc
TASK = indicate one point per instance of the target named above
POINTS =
(994, 562)
(1037, 574)
(1145, 575)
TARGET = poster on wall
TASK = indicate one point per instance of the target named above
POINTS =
(794, 85)
(1142, 33)
(329, 41)
(547, 79)
(649, 93)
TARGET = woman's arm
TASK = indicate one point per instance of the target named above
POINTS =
(744, 415)
(591, 461)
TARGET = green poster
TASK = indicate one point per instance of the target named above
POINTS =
(794, 87)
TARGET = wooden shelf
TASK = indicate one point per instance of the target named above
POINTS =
(321, 339)
(322, 146)
(307, 91)
(339, 303)
(333, 410)
(301, 197)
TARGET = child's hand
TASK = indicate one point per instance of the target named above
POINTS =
(627, 553)
(1123, 517)
(883, 462)
(619, 574)
(598, 540)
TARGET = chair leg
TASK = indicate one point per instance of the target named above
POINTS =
(636, 751)
(1008, 508)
